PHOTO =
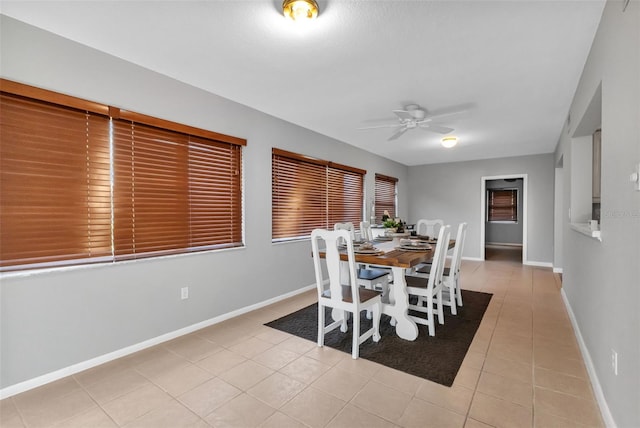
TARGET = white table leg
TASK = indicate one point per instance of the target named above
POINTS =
(406, 328)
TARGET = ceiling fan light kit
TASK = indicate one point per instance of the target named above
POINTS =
(449, 142)
(300, 10)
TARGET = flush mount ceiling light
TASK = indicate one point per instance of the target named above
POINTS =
(300, 10)
(449, 142)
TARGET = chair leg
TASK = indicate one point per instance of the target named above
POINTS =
(453, 295)
(430, 323)
(320, 325)
(458, 292)
(355, 345)
(439, 306)
(343, 326)
(377, 312)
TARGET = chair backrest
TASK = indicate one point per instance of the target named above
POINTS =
(429, 227)
(346, 226)
(439, 256)
(365, 231)
(332, 240)
(457, 250)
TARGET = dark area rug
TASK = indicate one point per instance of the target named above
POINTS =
(435, 358)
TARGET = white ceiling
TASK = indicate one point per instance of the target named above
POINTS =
(513, 65)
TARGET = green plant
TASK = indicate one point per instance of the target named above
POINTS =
(391, 223)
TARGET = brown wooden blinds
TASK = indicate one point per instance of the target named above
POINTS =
(309, 193)
(54, 183)
(385, 196)
(83, 182)
(502, 205)
(173, 192)
(345, 195)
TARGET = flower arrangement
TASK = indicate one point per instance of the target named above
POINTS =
(392, 223)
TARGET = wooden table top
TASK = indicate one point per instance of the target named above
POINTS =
(394, 257)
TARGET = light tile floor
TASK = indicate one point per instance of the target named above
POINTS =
(523, 369)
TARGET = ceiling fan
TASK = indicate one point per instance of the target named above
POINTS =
(413, 116)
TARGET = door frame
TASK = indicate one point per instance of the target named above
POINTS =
(483, 202)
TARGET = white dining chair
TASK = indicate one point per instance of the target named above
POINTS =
(429, 228)
(344, 298)
(365, 231)
(427, 287)
(346, 226)
(368, 277)
(452, 294)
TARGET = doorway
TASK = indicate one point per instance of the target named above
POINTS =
(503, 222)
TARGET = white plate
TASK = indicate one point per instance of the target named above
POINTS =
(414, 248)
(372, 251)
(414, 243)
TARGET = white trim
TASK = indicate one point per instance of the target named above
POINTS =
(534, 263)
(595, 383)
(503, 244)
(525, 221)
(557, 270)
(93, 362)
(473, 259)
(585, 229)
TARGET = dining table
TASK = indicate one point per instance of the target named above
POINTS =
(399, 260)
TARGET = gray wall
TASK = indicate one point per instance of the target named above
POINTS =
(452, 192)
(558, 218)
(505, 233)
(602, 279)
(51, 320)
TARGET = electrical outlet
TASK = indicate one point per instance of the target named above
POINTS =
(614, 362)
(184, 293)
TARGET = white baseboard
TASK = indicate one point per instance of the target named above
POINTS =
(557, 270)
(473, 259)
(503, 244)
(93, 362)
(595, 383)
(540, 264)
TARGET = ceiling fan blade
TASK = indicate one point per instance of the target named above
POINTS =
(436, 128)
(403, 114)
(389, 125)
(452, 110)
(397, 134)
(380, 120)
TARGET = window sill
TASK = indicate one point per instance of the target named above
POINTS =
(585, 229)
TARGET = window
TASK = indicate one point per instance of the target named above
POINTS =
(385, 196)
(502, 205)
(310, 193)
(173, 192)
(54, 183)
(92, 183)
